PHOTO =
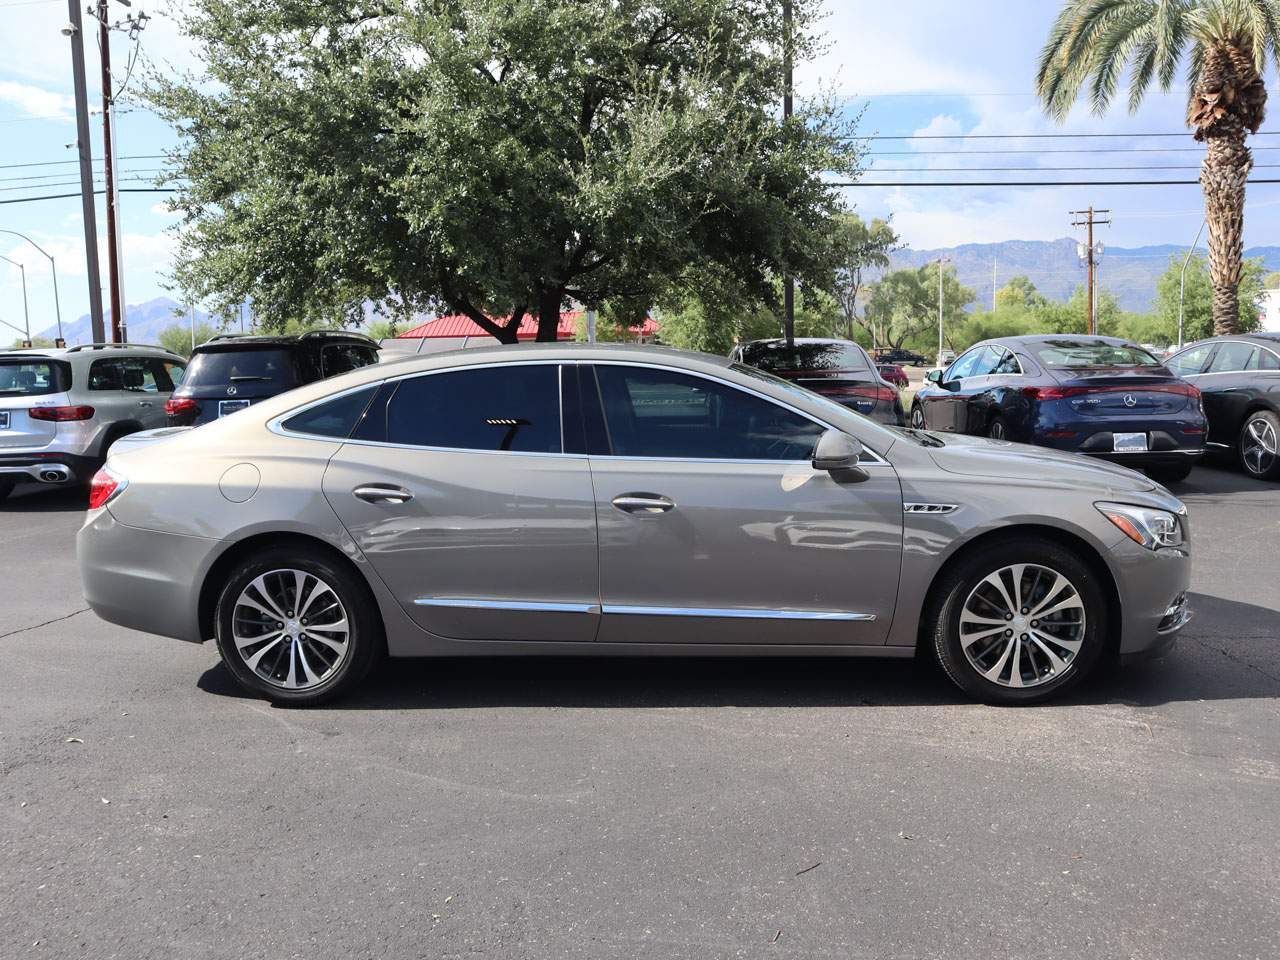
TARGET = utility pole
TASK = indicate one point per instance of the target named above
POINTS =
(993, 284)
(788, 281)
(1091, 254)
(74, 30)
(941, 261)
(118, 323)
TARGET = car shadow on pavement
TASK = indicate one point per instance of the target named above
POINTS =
(1230, 651)
(37, 499)
(1217, 476)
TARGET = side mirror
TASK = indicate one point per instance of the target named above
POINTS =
(934, 376)
(838, 454)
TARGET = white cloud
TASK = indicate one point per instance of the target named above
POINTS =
(36, 101)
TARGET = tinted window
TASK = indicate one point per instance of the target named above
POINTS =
(1008, 364)
(964, 366)
(336, 418)
(1190, 362)
(134, 374)
(20, 378)
(342, 357)
(515, 407)
(1233, 356)
(1268, 360)
(659, 413)
(1064, 354)
(175, 371)
(220, 368)
(776, 356)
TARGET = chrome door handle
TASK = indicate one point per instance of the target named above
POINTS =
(643, 503)
(377, 493)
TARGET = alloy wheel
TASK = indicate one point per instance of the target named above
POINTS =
(917, 418)
(1258, 446)
(996, 430)
(291, 629)
(1022, 625)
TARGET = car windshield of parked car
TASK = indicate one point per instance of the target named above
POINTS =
(249, 368)
(19, 379)
(1068, 354)
(777, 356)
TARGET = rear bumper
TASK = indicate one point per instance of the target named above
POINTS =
(1153, 458)
(46, 467)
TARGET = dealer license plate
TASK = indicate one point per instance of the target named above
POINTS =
(231, 406)
(1130, 443)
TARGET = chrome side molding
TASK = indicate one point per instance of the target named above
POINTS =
(737, 613)
(532, 606)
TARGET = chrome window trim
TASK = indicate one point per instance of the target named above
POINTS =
(275, 424)
(528, 606)
(735, 613)
(1219, 373)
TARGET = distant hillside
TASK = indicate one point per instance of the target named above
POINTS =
(1129, 273)
(146, 320)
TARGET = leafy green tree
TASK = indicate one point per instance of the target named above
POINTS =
(495, 159)
(1019, 293)
(904, 304)
(1199, 302)
(37, 343)
(1228, 45)
(177, 339)
(1272, 282)
(859, 247)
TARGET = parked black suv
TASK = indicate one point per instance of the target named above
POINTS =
(230, 372)
(909, 357)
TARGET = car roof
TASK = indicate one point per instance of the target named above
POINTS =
(252, 341)
(97, 351)
(782, 340)
(1034, 338)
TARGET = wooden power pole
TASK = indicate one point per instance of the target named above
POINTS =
(1089, 218)
(788, 281)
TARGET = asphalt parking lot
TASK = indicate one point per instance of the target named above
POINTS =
(600, 809)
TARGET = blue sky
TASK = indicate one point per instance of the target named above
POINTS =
(920, 66)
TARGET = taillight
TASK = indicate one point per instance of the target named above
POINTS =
(60, 414)
(1060, 393)
(179, 405)
(103, 487)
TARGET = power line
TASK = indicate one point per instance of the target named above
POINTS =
(59, 163)
(924, 152)
(1032, 136)
(1031, 183)
(96, 193)
(1259, 166)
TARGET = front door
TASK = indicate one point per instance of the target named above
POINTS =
(456, 488)
(715, 528)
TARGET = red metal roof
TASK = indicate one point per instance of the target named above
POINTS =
(460, 325)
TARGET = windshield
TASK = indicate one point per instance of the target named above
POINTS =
(251, 369)
(32, 378)
(1068, 354)
(776, 355)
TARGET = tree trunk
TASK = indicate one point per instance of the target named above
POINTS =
(1223, 176)
(549, 302)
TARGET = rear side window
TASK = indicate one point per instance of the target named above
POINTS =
(334, 418)
(661, 413)
(261, 368)
(514, 408)
(33, 378)
(1268, 360)
(1233, 356)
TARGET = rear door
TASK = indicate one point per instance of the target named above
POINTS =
(716, 529)
(457, 488)
(1226, 388)
(27, 382)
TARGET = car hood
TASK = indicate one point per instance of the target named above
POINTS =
(1001, 460)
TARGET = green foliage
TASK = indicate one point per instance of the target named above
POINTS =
(177, 339)
(495, 158)
(1199, 297)
(37, 343)
(1272, 282)
(904, 304)
(1019, 293)
(859, 247)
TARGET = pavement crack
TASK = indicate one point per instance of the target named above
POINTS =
(1236, 659)
(37, 626)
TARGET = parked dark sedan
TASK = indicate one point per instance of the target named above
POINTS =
(1099, 396)
(838, 369)
(1239, 378)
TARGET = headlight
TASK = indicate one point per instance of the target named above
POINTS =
(1147, 526)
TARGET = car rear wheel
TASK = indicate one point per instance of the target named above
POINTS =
(296, 627)
(997, 430)
(1017, 622)
(917, 417)
(1260, 445)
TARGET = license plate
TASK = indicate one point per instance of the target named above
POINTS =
(4, 419)
(231, 406)
(1130, 443)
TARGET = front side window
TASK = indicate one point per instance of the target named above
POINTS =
(965, 366)
(662, 413)
(512, 408)
(1233, 356)
(1190, 362)
(1268, 360)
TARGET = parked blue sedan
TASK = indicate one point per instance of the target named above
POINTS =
(1099, 396)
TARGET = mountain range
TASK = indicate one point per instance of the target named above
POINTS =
(1128, 273)
(146, 320)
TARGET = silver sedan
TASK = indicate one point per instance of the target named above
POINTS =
(569, 499)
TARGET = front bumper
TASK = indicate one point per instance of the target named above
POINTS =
(1153, 589)
(142, 579)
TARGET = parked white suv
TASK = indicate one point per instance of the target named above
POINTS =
(60, 410)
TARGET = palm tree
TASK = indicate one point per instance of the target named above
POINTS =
(1226, 45)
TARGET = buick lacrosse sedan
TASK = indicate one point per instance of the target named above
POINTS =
(572, 499)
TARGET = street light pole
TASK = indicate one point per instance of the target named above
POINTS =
(26, 311)
(74, 31)
(1182, 283)
(941, 261)
(53, 267)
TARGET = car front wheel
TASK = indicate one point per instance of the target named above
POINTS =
(297, 627)
(1017, 622)
(1260, 445)
(917, 417)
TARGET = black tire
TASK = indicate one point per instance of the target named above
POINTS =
(997, 429)
(958, 584)
(917, 417)
(1253, 457)
(357, 608)
(1173, 473)
(6, 488)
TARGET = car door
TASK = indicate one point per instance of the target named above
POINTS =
(942, 405)
(715, 528)
(1225, 389)
(457, 489)
(973, 399)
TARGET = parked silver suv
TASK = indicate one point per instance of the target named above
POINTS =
(61, 410)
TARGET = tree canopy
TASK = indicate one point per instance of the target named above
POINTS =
(495, 158)
(904, 304)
